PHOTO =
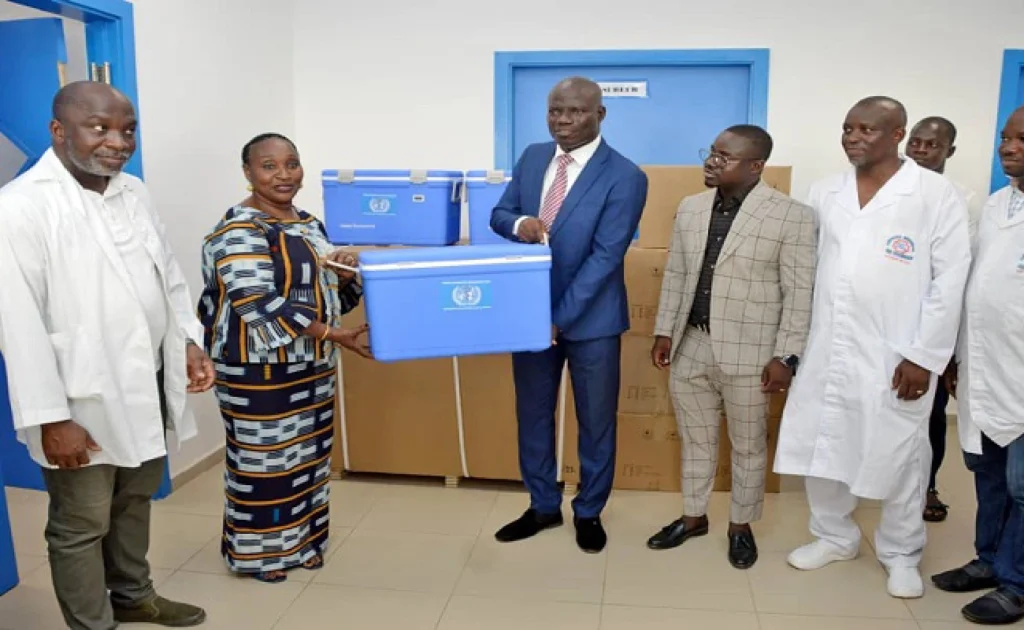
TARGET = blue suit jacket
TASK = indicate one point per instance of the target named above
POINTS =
(588, 239)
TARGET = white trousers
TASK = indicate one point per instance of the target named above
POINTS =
(901, 533)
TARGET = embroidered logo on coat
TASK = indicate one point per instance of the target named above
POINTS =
(900, 248)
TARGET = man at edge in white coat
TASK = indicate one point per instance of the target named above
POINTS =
(990, 400)
(893, 258)
(96, 326)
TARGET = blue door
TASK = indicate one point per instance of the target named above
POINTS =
(663, 106)
(30, 54)
(30, 51)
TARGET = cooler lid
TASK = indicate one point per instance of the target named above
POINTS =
(453, 256)
(416, 176)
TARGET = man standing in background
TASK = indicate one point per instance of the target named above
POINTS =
(97, 328)
(893, 258)
(585, 198)
(931, 143)
(989, 363)
(732, 322)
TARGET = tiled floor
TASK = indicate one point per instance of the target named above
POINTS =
(418, 556)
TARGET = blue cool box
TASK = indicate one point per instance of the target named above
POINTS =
(483, 191)
(392, 207)
(454, 301)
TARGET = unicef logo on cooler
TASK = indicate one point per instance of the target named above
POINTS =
(900, 248)
(380, 205)
(466, 295)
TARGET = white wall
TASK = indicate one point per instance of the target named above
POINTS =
(211, 75)
(410, 84)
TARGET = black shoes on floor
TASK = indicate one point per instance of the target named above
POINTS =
(742, 547)
(590, 534)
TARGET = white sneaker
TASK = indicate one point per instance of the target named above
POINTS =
(905, 583)
(817, 555)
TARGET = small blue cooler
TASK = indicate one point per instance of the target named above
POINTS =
(392, 207)
(483, 191)
(453, 301)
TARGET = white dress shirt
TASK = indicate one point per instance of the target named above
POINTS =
(121, 220)
(580, 157)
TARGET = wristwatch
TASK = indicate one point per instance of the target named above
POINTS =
(790, 360)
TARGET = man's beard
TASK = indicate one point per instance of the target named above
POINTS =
(92, 165)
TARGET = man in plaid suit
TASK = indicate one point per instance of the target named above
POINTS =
(732, 322)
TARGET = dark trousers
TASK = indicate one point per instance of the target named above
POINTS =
(97, 537)
(937, 427)
(594, 369)
(999, 523)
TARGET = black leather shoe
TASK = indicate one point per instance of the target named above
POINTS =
(675, 534)
(529, 524)
(973, 576)
(742, 549)
(590, 534)
(998, 608)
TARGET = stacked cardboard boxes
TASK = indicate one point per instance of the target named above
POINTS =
(456, 417)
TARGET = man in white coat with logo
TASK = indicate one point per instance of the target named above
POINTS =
(96, 324)
(990, 400)
(893, 258)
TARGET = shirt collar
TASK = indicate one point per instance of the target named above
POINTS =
(581, 155)
(736, 200)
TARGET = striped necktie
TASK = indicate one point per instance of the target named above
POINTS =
(556, 195)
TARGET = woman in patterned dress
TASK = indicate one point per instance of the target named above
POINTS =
(271, 312)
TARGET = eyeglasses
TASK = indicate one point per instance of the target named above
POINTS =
(716, 159)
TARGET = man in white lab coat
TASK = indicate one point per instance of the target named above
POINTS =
(931, 143)
(893, 257)
(96, 324)
(990, 399)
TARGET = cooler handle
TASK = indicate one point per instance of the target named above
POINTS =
(337, 265)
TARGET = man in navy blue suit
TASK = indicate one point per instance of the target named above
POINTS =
(586, 200)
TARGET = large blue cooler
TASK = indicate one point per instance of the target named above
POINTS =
(483, 191)
(392, 207)
(8, 566)
(454, 301)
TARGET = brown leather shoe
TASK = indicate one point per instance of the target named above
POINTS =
(162, 612)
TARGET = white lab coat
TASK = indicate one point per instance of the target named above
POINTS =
(970, 199)
(990, 398)
(72, 332)
(889, 287)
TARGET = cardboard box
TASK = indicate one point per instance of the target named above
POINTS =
(489, 416)
(400, 417)
(669, 185)
(645, 270)
(643, 389)
(649, 453)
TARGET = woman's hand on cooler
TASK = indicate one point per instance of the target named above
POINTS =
(342, 257)
(351, 338)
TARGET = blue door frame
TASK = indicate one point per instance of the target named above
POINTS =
(1010, 92)
(506, 63)
(110, 38)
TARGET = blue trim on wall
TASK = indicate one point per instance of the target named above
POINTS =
(1009, 89)
(505, 64)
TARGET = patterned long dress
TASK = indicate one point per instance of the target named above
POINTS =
(275, 387)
